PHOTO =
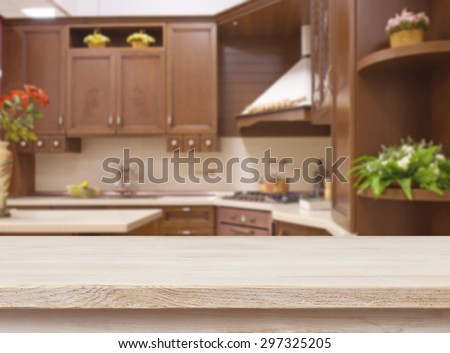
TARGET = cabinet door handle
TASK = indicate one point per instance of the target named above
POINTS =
(119, 120)
(208, 143)
(174, 142)
(23, 144)
(61, 121)
(56, 143)
(40, 143)
(191, 143)
(169, 120)
(186, 209)
(243, 231)
(110, 121)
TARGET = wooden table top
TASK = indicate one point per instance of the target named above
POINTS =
(224, 272)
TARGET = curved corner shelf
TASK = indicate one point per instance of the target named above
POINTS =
(398, 195)
(427, 53)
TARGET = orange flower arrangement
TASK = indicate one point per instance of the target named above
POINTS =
(19, 109)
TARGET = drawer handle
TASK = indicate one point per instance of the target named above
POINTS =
(186, 232)
(243, 219)
(186, 209)
(243, 231)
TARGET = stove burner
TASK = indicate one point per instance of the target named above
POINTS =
(255, 196)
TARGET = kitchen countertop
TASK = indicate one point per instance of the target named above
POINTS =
(224, 273)
(77, 221)
(286, 213)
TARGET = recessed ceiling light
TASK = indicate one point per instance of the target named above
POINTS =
(40, 12)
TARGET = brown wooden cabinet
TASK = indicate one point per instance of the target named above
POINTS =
(141, 93)
(188, 220)
(192, 78)
(289, 229)
(116, 92)
(237, 222)
(43, 60)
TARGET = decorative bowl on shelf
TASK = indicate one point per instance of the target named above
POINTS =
(83, 191)
(96, 40)
(407, 28)
(140, 40)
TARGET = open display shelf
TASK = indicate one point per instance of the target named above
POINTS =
(117, 34)
(419, 195)
(422, 55)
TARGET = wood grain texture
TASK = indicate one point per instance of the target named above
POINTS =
(224, 273)
(238, 321)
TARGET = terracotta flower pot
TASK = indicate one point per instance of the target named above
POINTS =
(407, 37)
(6, 164)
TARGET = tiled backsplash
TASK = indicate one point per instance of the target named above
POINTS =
(55, 171)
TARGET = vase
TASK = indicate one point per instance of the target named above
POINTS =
(139, 45)
(407, 37)
(6, 164)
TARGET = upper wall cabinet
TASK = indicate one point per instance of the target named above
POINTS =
(192, 78)
(116, 91)
(43, 63)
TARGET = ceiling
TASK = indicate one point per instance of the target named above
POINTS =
(12, 8)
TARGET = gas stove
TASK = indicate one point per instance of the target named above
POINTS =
(255, 196)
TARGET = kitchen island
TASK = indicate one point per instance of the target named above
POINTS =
(79, 222)
(229, 284)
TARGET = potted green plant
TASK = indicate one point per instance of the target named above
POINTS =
(410, 165)
(19, 109)
(140, 39)
(407, 28)
(97, 40)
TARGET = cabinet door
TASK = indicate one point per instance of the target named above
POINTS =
(91, 92)
(44, 67)
(323, 69)
(192, 78)
(344, 13)
(141, 93)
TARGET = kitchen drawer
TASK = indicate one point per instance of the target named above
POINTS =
(188, 217)
(188, 231)
(288, 229)
(257, 219)
(232, 230)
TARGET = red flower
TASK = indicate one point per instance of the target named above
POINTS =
(38, 95)
(23, 96)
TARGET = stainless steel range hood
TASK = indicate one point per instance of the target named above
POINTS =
(293, 89)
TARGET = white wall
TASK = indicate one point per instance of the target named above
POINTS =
(146, 7)
(55, 171)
